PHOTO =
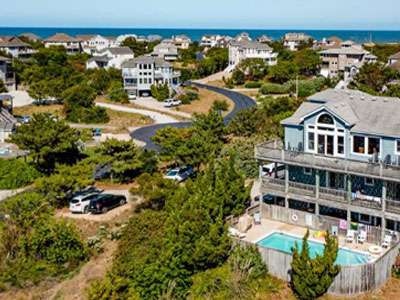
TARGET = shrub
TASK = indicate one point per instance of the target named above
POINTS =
(220, 105)
(253, 85)
(307, 87)
(188, 97)
(117, 93)
(160, 92)
(238, 77)
(16, 173)
(274, 88)
(92, 115)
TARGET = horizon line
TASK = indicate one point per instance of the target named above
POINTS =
(195, 28)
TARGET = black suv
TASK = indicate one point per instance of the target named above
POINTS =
(104, 202)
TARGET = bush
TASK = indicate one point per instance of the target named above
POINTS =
(160, 92)
(16, 173)
(274, 88)
(253, 85)
(117, 93)
(188, 97)
(92, 115)
(307, 87)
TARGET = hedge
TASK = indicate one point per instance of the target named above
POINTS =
(15, 173)
(274, 88)
(253, 85)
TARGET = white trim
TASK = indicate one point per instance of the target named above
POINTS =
(307, 173)
(329, 112)
(396, 146)
(366, 145)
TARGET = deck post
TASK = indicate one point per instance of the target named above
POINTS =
(286, 179)
(348, 183)
(348, 219)
(317, 184)
(383, 219)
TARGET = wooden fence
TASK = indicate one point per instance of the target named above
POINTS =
(350, 280)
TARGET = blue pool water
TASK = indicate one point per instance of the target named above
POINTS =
(285, 243)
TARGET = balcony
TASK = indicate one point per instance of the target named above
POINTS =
(333, 195)
(274, 151)
(393, 206)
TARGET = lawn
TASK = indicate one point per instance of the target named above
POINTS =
(29, 110)
(204, 104)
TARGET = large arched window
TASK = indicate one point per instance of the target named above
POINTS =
(326, 119)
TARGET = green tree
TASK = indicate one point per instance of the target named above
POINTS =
(117, 93)
(99, 80)
(254, 68)
(308, 61)
(283, 71)
(311, 277)
(373, 77)
(48, 140)
(79, 105)
(138, 47)
(238, 77)
(220, 105)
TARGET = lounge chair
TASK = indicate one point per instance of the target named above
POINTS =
(362, 237)
(233, 232)
(334, 230)
(387, 241)
(350, 236)
(257, 218)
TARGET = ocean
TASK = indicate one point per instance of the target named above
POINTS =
(360, 36)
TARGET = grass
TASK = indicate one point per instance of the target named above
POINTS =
(29, 110)
(205, 102)
(121, 121)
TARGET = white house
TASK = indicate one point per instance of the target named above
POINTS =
(394, 61)
(140, 73)
(292, 40)
(7, 121)
(166, 51)
(14, 46)
(243, 37)
(92, 43)
(71, 44)
(211, 41)
(181, 41)
(110, 58)
(239, 51)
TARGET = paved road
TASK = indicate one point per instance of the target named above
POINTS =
(241, 102)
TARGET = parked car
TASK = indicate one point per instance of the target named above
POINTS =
(172, 102)
(80, 202)
(180, 174)
(104, 202)
(269, 170)
(23, 119)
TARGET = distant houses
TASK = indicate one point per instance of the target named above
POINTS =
(181, 41)
(215, 41)
(92, 43)
(394, 61)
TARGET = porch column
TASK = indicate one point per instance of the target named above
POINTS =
(317, 184)
(260, 171)
(286, 179)
(348, 219)
(383, 224)
(348, 188)
(317, 209)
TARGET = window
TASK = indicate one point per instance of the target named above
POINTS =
(311, 141)
(397, 145)
(359, 144)
(340, 145)
(373, 145)
(369, 181)
(326, 119)
(307, 171)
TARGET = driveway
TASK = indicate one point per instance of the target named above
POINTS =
(152, 103)
(158, 118)
(241, 102)
(21, 98)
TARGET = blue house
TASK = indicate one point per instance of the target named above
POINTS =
(341, 154)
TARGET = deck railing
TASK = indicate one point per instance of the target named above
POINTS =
(274, 151)
(302, 188)
(333, 194)
(392, 205)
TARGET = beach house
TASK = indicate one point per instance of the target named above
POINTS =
(292, 40)
(92, 43)
(345, 60)
(166, 51)
(15, 46)
(240, 50)
(71, 44)
(6, 74)
(109, 58)
(140, 73)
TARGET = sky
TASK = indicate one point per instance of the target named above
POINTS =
(236, 14)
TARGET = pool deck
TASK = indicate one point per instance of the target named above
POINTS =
(267, 227)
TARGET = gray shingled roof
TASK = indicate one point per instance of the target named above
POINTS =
(146, 60)
(395, 56)
(7, 121)
(118, 50)
(346, 51)
(250, 45)
(362, 112)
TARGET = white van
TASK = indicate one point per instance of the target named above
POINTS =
(269, 170)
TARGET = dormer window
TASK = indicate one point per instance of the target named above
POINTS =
(326, 119)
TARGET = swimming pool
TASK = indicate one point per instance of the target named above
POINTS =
(285, 243)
